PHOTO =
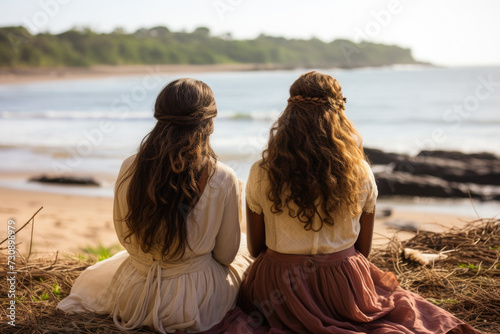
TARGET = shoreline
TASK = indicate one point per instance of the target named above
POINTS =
(27, 75)
(38, 74)
(69, 222)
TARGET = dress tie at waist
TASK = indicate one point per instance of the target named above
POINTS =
(157, 270)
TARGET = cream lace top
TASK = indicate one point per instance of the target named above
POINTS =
(287, 235)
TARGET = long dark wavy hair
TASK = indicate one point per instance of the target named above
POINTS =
(314, 154)
(163, 187)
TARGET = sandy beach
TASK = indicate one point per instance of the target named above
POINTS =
(26, 75)
(68, 223)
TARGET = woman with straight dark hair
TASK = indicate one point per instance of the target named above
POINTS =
(177, 213)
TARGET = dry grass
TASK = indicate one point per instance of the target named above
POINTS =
(41, 284)
(466, 283)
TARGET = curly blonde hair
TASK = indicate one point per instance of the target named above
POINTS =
(314, 154)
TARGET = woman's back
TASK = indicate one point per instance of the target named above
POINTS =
(213, 223)
(286, 234)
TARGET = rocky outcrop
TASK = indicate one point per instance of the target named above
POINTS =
(456, 155)
(438, 174)
(379, 157)
(464, 171)
(406, 184)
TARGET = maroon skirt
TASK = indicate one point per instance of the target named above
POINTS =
(336, 293)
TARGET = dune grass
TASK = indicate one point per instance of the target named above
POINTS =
(465, 284)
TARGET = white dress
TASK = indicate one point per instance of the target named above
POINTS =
(191, 295)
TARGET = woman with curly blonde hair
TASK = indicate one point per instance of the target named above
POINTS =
(310, 215)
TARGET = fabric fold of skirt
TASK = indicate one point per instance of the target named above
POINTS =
(337, 293)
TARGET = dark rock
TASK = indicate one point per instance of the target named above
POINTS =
(405, 184)
(437, 174)
(67, 180)
(455, 155)
(382, 213)
(472, 171)
(379, 157)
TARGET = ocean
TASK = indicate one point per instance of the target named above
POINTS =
(88, 126)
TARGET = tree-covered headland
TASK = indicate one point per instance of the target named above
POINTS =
(159, 45)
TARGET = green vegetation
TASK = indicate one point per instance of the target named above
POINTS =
(55, 290)
(159, 45)
(468, 266)
(100, 252)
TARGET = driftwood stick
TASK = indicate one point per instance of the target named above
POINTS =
(17, 231)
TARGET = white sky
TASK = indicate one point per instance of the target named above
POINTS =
(444, 32)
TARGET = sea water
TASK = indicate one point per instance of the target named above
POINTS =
(89, 126)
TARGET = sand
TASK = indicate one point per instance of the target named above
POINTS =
(68, 223)
(25, 75)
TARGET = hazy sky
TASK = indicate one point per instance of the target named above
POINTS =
(446, 32)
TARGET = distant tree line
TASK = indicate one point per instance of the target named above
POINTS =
(159, 45)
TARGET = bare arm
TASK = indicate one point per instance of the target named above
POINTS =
(364, 242)
(227, 241)
(256, 233)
